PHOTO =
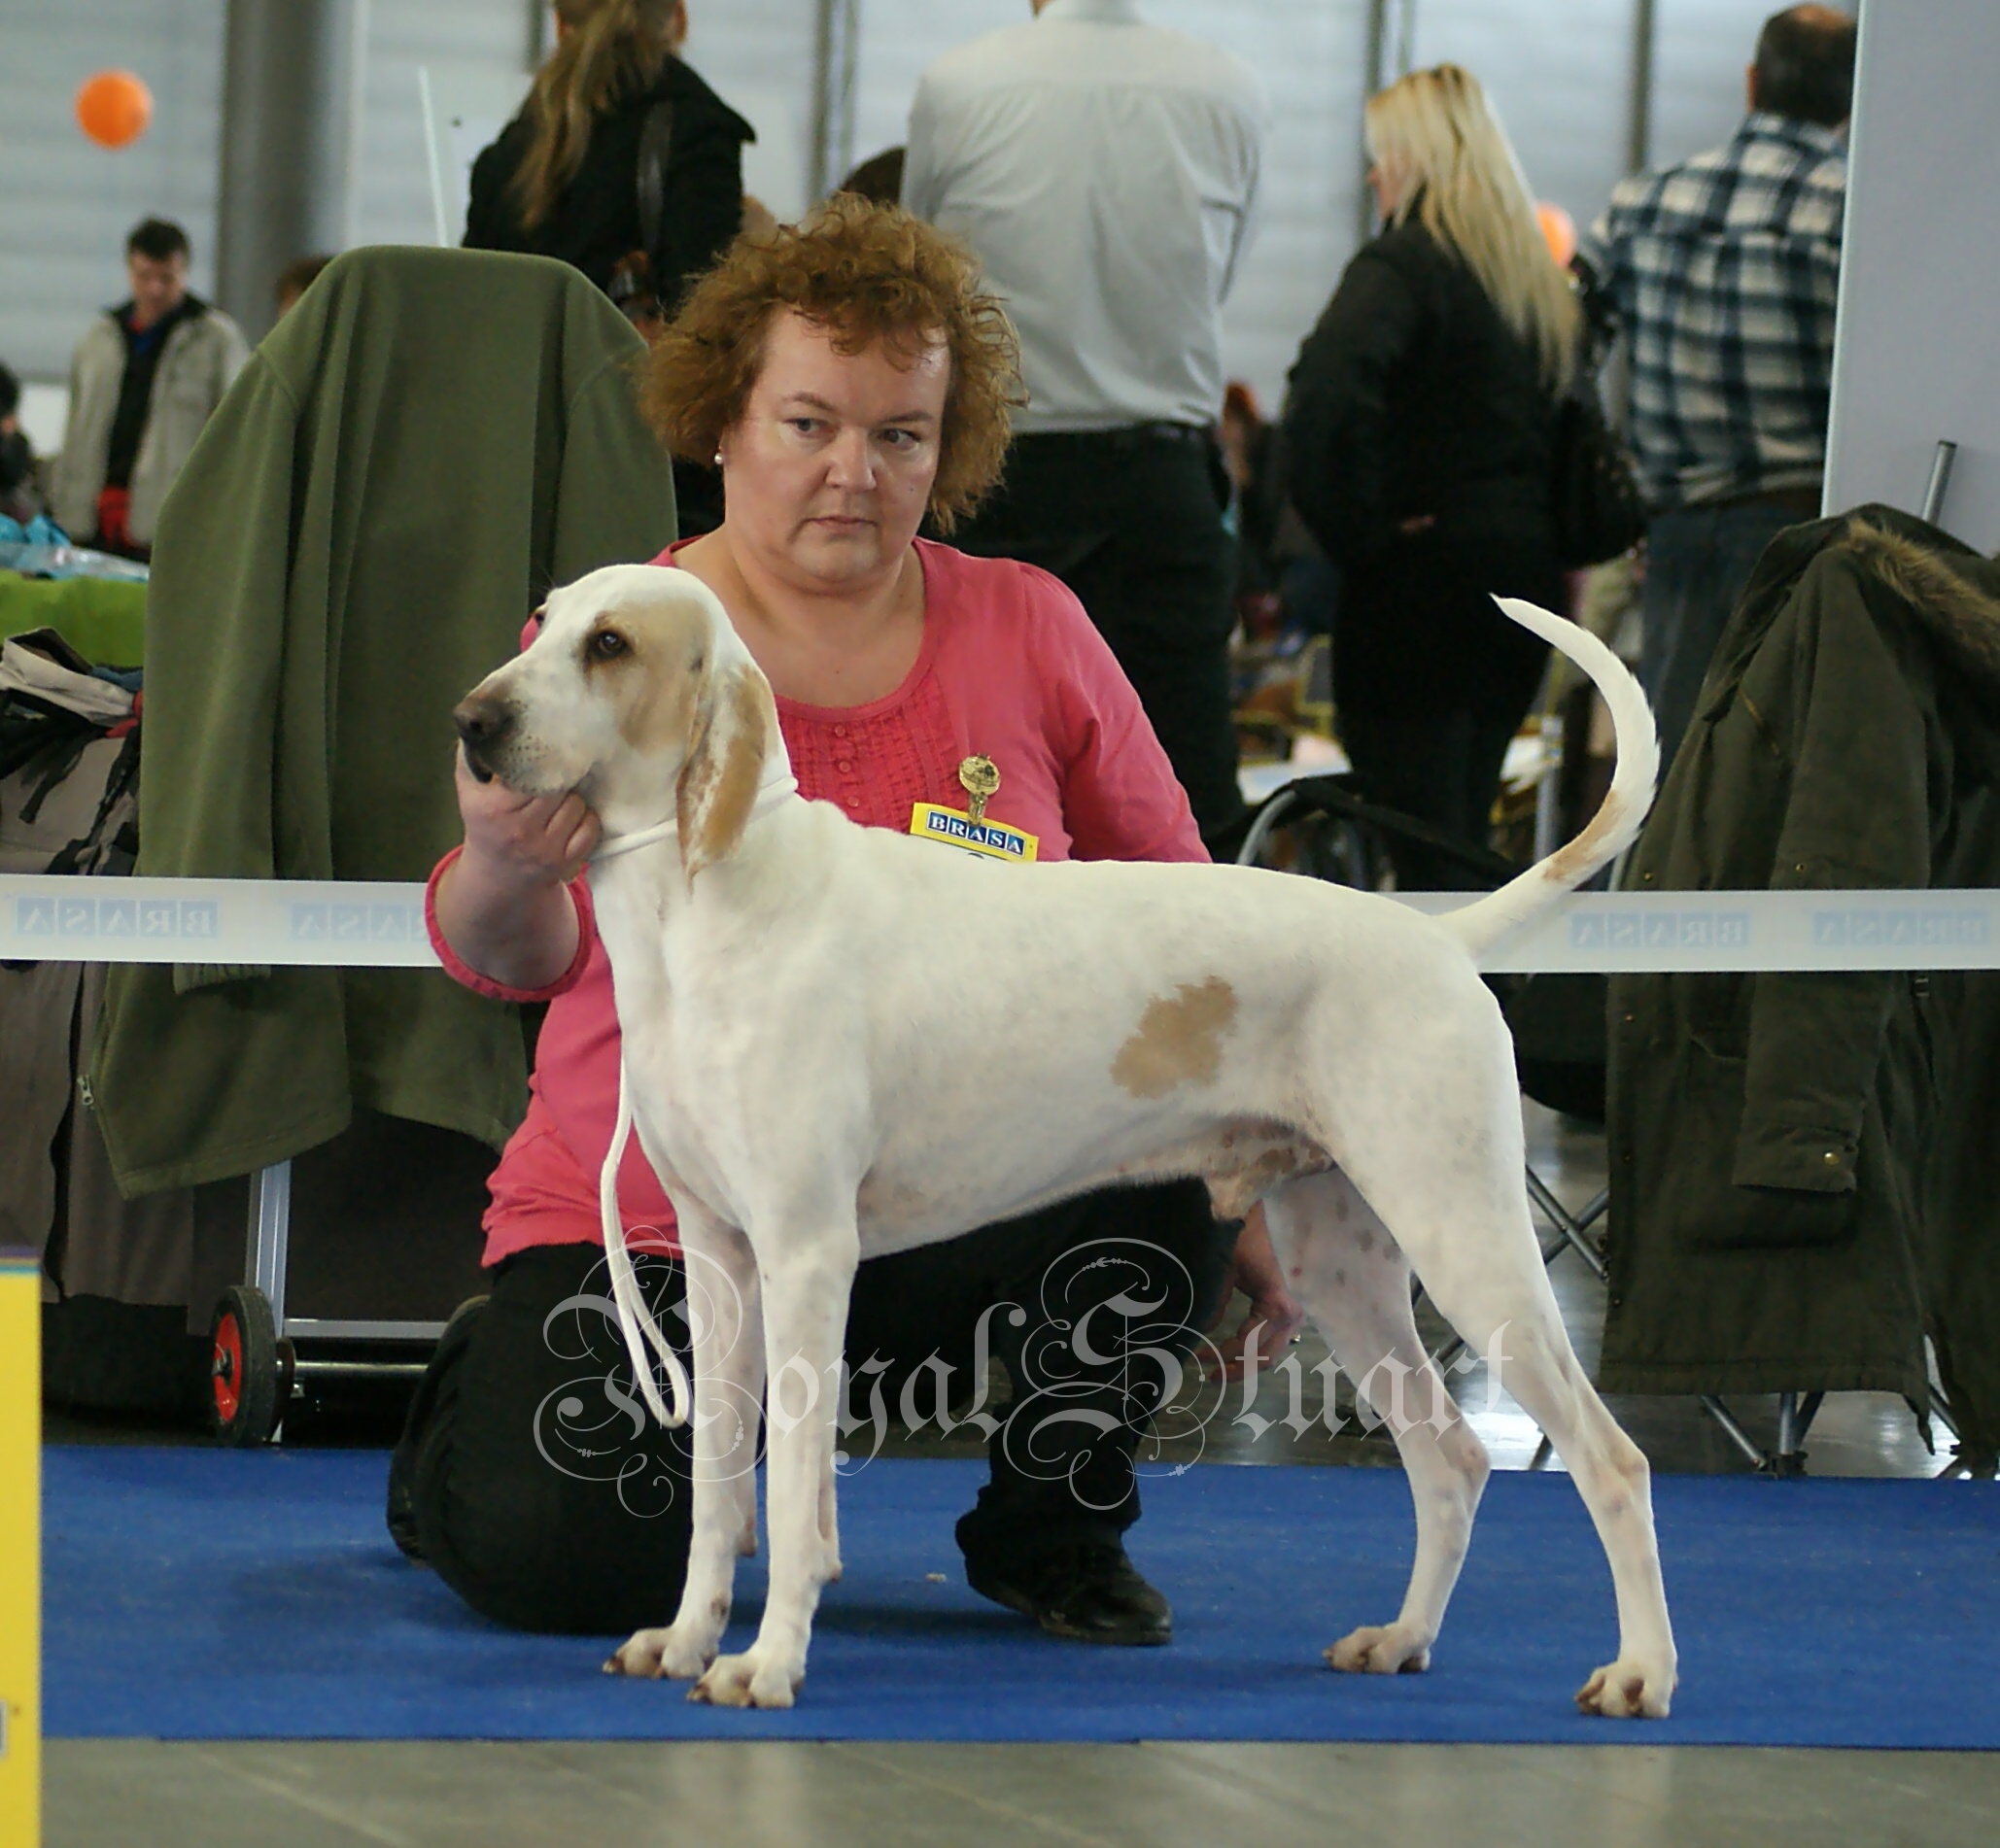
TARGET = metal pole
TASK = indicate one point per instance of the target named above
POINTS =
(1638, 120)
(1392, 44)
(1372, 81)
(836, 51)
(281, 190)
(437, 213)
(357, 122)
(269, 1235)
(1940, 481)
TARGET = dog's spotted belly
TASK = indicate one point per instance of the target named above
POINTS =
(1248, 1158)
(1240, 1158)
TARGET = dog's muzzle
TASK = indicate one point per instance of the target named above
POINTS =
(484, 725)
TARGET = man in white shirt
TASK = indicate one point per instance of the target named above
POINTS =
(1105, 170)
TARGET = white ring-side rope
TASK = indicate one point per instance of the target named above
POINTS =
(289, 923)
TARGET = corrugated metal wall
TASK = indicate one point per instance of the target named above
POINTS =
(65, 204)
(1559, 71)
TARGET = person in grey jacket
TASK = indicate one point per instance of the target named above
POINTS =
(144, 378)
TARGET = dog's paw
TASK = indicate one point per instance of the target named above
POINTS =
(651, 1655)
(1386, 1648)
(1628, 1691)
(753, 1679)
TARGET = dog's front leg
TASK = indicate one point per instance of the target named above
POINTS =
(726, 1324)
(807, 1279)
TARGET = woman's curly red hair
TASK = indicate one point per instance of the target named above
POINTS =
(866, 273)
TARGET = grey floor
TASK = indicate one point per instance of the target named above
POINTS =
(149, 1793)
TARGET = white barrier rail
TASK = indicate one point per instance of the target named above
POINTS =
(341, 924)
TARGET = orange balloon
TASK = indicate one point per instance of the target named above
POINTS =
(113, 108)
(1559, 228)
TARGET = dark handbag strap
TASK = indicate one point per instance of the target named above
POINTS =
(654, 137)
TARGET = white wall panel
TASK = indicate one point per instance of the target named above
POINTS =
(478, 54)
(758, 54)
(1701, 49)
(1915, 362)
(67, 204)
(1559, 74)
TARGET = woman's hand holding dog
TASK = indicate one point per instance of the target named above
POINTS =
(502, 903)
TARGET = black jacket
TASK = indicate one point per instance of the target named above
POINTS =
(596, 220)
(1413, 398)
(1802, 1165)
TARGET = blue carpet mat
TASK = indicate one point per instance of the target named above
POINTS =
(200, 1594)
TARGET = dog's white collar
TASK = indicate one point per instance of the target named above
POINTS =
(769, 795)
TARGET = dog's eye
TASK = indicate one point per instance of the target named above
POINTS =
(607, 644)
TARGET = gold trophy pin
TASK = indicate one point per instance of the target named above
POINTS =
(979, 778)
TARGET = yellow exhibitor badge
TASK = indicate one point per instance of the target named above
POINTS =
(990, 840)
(20, 1539)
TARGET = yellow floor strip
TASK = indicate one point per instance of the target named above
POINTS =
(21, 1550)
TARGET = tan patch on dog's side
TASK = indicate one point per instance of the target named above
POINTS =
(1179, 1040)
(719, 782)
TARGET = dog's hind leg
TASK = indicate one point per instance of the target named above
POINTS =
(806, 1278)
(1460, 1211)
(1352, 1276)
(728, 1349)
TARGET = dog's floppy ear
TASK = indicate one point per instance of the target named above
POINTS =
(735, 722)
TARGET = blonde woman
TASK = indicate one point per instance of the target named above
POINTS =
(615, 112)
(1419, 435)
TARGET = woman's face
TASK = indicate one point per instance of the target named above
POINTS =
(1388, 187)
(827, 473)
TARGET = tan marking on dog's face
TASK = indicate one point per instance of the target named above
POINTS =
(1178, 1040)
(647, 662)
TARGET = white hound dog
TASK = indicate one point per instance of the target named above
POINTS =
(841, 1042)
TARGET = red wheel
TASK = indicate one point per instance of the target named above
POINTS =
(243, 1368)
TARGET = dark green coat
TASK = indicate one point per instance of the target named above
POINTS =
(1804, 1170)
(419, 450)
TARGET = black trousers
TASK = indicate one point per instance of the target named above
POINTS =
(549, 1499)
(1132, 522)
(1443, 767)
(1431, 682)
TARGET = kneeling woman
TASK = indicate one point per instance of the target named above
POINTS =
(849, 378)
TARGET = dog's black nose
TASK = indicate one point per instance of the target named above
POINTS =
(483, 725)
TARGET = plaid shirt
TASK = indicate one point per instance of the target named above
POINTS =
(1723, 272)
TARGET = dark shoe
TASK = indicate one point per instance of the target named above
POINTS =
(1088, 1590)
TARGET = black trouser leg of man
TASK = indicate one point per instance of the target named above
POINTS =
(1132, 522)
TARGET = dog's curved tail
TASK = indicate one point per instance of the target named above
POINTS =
(1480, 925)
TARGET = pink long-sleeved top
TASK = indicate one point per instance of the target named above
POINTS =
(1011, 669)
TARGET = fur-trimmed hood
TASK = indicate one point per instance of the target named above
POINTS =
(1951, 590)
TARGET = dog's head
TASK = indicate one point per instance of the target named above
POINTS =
(639, 695)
